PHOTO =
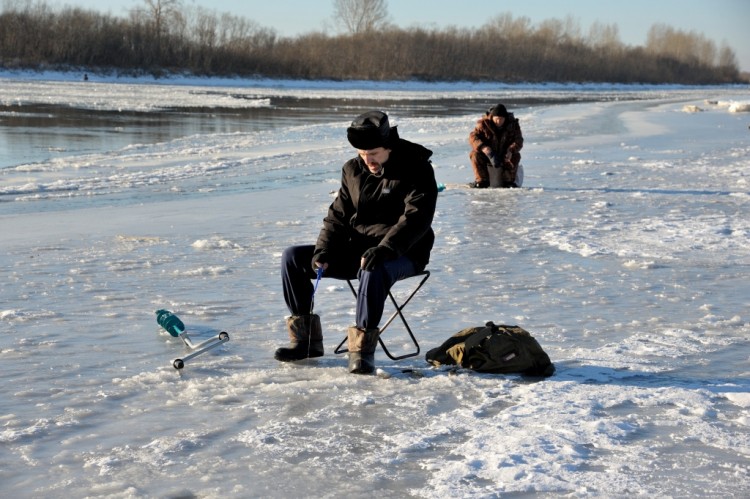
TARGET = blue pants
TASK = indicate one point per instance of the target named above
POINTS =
(297, 275)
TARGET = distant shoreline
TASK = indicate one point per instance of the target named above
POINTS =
(86, 76)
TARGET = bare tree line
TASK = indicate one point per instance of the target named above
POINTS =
(164, 36)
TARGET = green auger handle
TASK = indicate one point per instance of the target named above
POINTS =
(170, 322)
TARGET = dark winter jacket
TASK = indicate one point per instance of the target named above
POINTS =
(486, 133)
(393, 210)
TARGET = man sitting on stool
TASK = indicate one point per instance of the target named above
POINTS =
(378, 229)
(496, 142)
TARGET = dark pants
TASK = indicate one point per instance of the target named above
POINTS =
(297, 275)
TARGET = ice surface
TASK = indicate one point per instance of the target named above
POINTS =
(626, 255)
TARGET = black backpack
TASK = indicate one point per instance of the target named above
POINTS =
(493, 349)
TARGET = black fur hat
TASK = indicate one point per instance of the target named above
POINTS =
(370, 131)
(498, 110)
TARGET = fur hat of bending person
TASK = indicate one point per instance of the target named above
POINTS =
(371, 130)
(498, 110)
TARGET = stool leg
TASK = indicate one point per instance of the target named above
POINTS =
(398, 313)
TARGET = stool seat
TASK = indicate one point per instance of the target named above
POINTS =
(424, 275)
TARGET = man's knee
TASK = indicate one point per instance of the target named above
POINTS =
(297, 257)
(478, 158)
(289, 255)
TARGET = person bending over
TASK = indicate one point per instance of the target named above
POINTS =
(496, 143)
(378, 230)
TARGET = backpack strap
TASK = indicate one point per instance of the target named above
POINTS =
(478, 336)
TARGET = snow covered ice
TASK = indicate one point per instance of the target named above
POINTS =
(626, 254)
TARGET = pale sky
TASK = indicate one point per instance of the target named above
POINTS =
(719, 20)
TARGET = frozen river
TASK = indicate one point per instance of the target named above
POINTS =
(626, 254)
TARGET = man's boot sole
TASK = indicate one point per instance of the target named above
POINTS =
(290, 355)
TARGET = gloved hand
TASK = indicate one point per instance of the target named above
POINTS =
(320, 260)
(375, 256)
(511, 150)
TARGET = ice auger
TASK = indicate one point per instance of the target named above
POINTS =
(174, 326)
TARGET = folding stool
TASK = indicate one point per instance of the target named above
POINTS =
(424, 275)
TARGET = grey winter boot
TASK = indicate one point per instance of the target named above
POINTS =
(305, 339)
(362, 345)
